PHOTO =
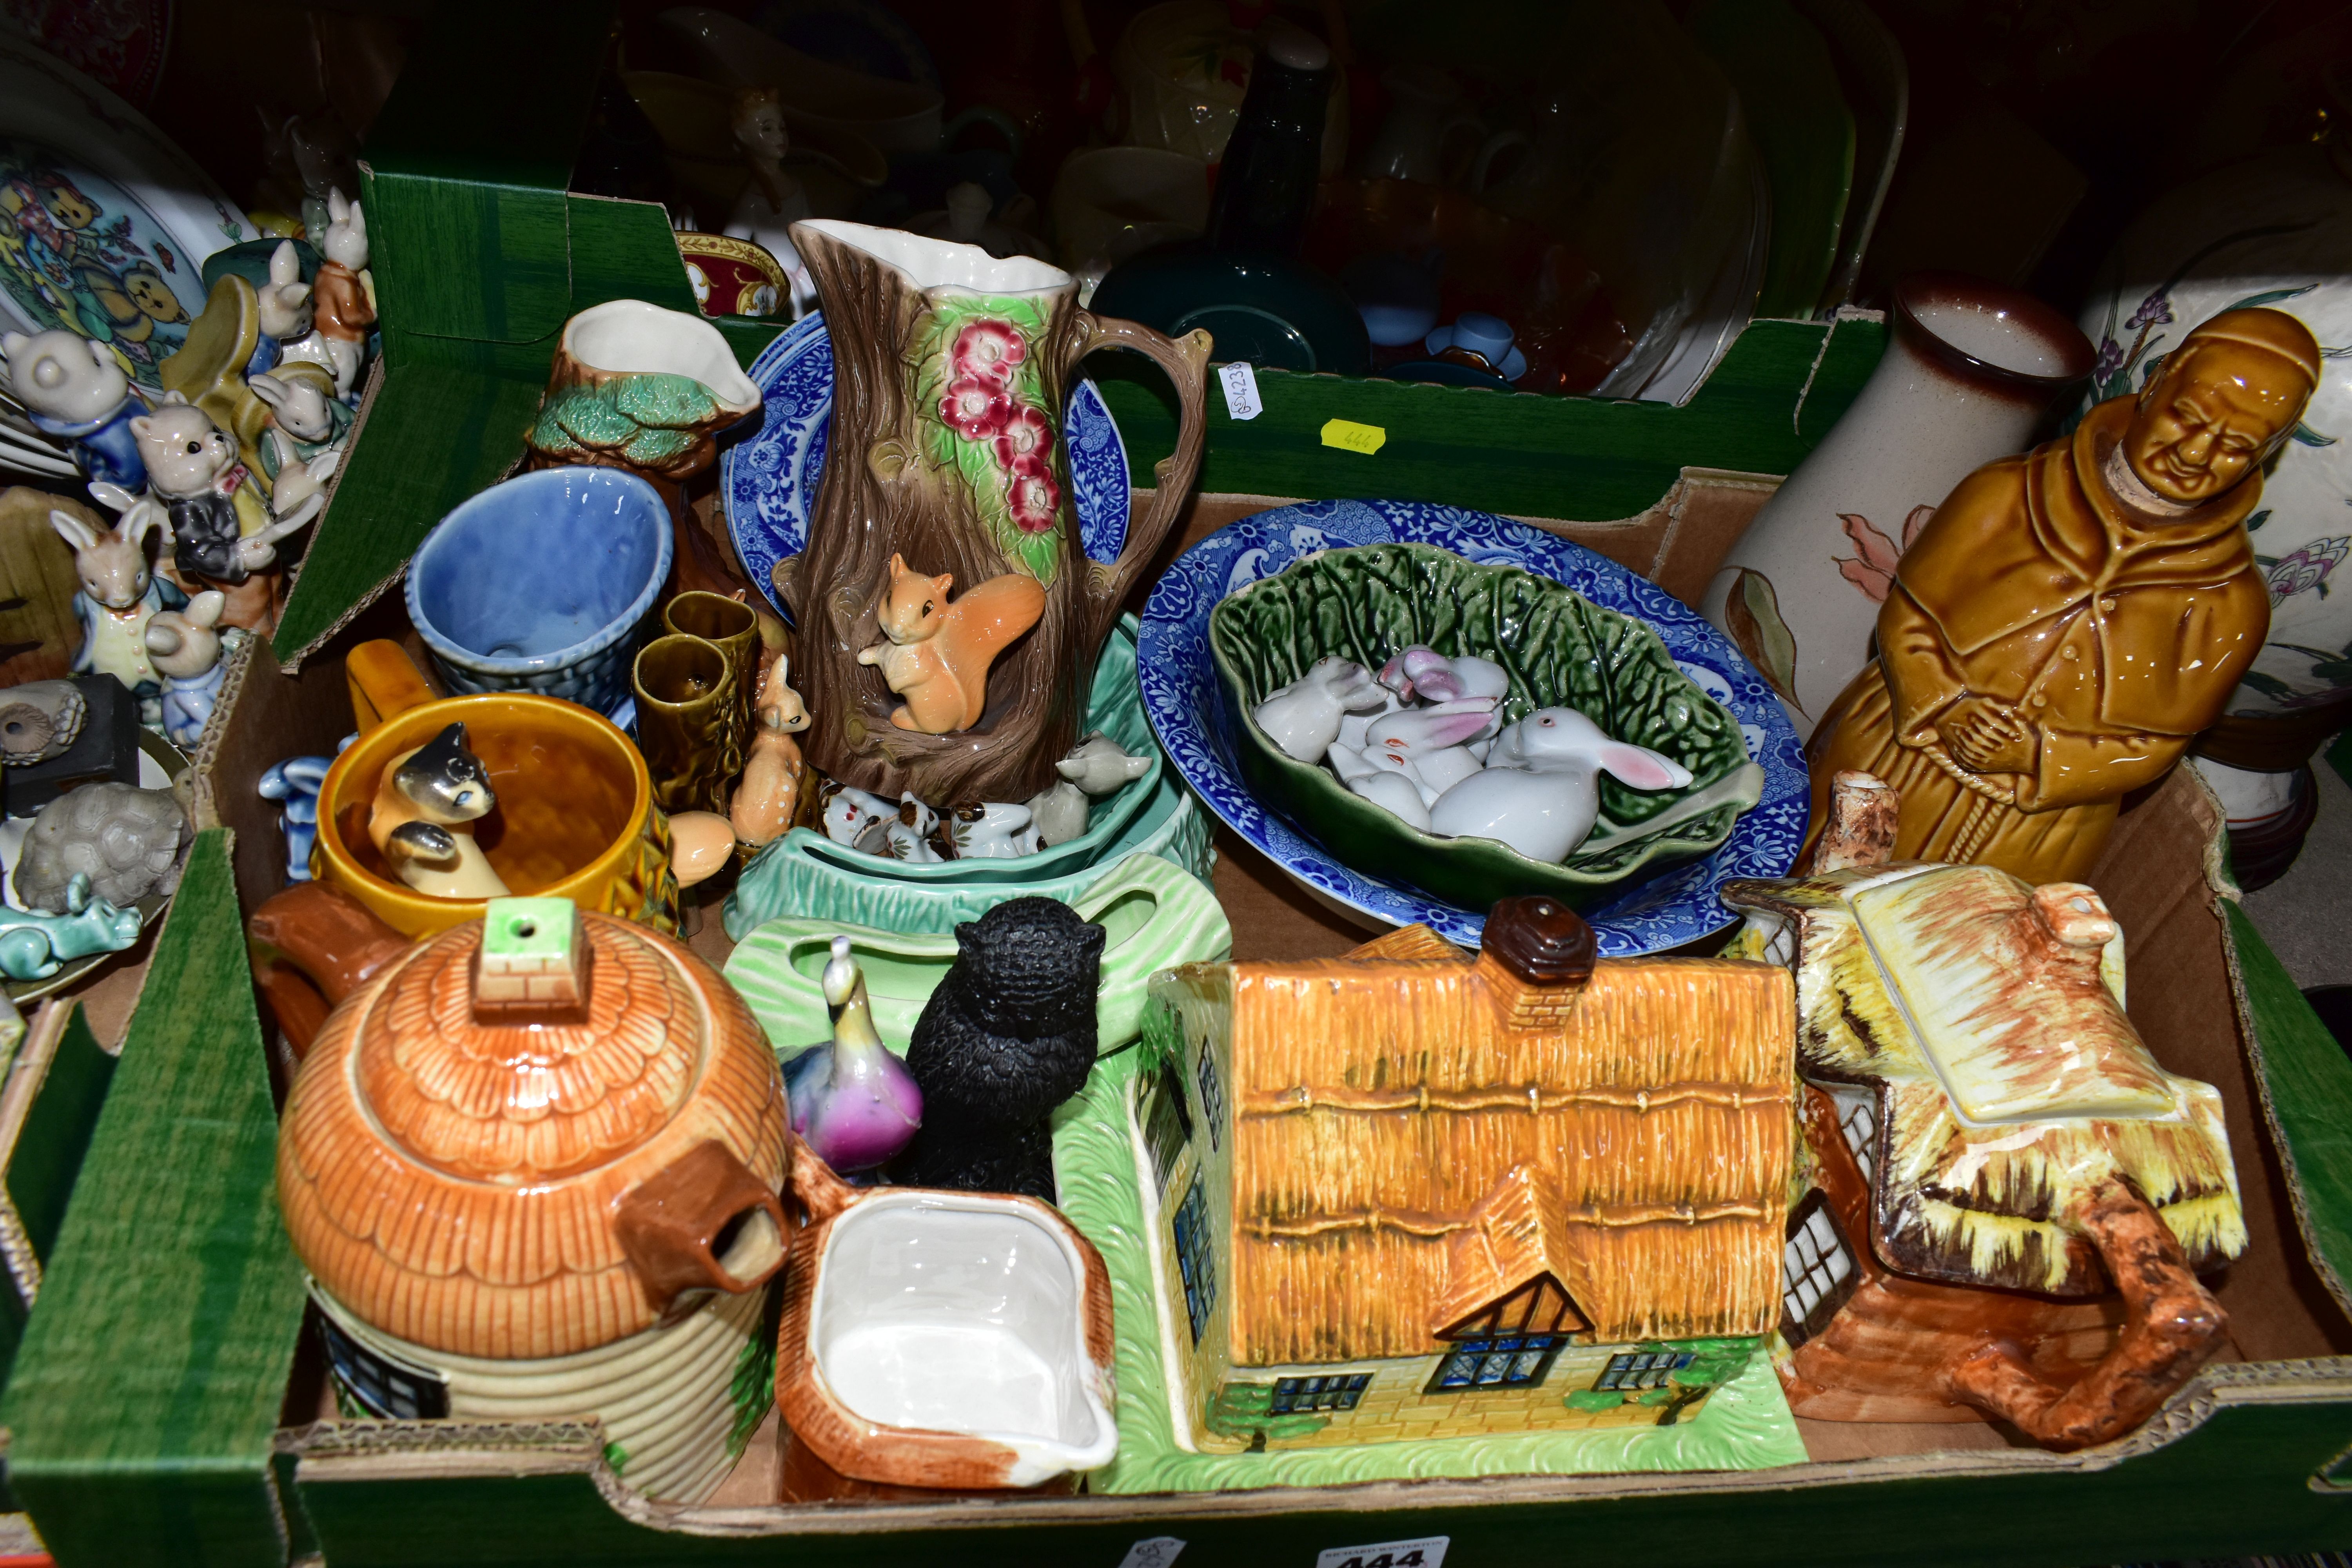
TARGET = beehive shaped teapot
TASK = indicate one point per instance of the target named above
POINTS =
(534, 1143)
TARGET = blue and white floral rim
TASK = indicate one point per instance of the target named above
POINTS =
(1180, 697)
(768, 481)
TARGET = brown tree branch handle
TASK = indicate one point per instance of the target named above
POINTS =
(671, 1225)
(812, 1182)
(2172, 1324)
(1186, 361)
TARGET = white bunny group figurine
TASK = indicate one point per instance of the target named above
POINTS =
(1425, 741)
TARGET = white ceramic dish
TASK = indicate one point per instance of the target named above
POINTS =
(115, 247)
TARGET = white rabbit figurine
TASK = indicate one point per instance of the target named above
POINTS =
(343, 305)
(75, 390)
(1421, 671)
(1303, 718)
(185, 650)
(304, 424)
(119, 594)
(998, 833)
(1541, 791)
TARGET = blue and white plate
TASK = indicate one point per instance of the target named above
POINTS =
(767, 482)
(1179, 694)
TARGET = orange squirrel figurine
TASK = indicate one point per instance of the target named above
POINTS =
(937, 654)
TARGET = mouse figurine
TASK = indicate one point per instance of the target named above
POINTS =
(938, 652)
(76, 390)
(1008, 1036)
(422, 819)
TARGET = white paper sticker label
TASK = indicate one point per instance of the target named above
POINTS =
(1157, 1551)
(1427, 1552)
(1240, 382)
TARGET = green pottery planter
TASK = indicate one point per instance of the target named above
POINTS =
(1560, 649)
(1156, 915)
(806, 874)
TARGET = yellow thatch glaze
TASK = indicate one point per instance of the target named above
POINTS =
(1377, 1104)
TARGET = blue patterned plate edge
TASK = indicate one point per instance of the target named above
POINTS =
(1180, 697)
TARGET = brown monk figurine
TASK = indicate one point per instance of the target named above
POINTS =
(2070, 618)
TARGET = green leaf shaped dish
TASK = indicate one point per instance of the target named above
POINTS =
(1560, 649)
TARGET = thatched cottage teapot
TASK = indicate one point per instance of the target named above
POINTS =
(532, 1168)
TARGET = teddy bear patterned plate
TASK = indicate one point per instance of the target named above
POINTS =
(1181, 696)
(769, 480)
(106, 224)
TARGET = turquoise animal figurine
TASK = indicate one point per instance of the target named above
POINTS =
(36, 946)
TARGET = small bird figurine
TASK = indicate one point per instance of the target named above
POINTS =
(853, 1102)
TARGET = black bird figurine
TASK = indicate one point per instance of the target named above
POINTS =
(1008, 1036)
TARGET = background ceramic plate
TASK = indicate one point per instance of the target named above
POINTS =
(1181, 695)
(115, 245)
(767, 482)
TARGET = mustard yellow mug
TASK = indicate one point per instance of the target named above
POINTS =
(575, 816)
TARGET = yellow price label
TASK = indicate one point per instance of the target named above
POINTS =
(1350, 437)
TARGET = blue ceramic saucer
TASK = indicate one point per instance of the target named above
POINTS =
(767, 483)
(1180, 696)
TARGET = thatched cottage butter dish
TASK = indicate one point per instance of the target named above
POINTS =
(1706, 699)
(2005, 1201)
(532, 1170)
(944, 1339)
(1408, 1195)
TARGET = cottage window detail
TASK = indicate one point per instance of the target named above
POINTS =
(1298, 1395)
(1167, 1125)
(383, 1390)
(1212, 1094)
(1817, 1271)
(1642, 1369)
(1857, 1113)
(1194, 1261)
(1508, 1361)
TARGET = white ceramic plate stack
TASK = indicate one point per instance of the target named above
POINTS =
(111, 239)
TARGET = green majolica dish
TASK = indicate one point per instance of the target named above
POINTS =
(1155, 915)
(1560, 649)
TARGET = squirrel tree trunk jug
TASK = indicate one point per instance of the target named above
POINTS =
(950, 372)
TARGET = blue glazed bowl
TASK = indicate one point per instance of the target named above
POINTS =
(541, 585)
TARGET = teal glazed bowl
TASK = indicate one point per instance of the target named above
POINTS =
(806, 874)
(1560, 649)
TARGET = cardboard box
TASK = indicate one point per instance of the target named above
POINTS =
(168, 1401)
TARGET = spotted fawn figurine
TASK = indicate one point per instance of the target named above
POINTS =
(769, 792)
(423, 819)
(938, 652)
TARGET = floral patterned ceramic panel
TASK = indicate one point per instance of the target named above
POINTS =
(1181, 695)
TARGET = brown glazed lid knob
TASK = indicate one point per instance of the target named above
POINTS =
(1541, 940)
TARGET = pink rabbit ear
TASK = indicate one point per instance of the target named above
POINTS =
(1640, 767)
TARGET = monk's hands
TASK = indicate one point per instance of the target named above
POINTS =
(1985, 737)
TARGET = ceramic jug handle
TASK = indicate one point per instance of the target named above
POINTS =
(2171, 1325)
(1186, 361)
(704, 1223)
(385, 683)
(820, 1192)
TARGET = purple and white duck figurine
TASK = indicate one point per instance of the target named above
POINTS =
(853, 1102)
